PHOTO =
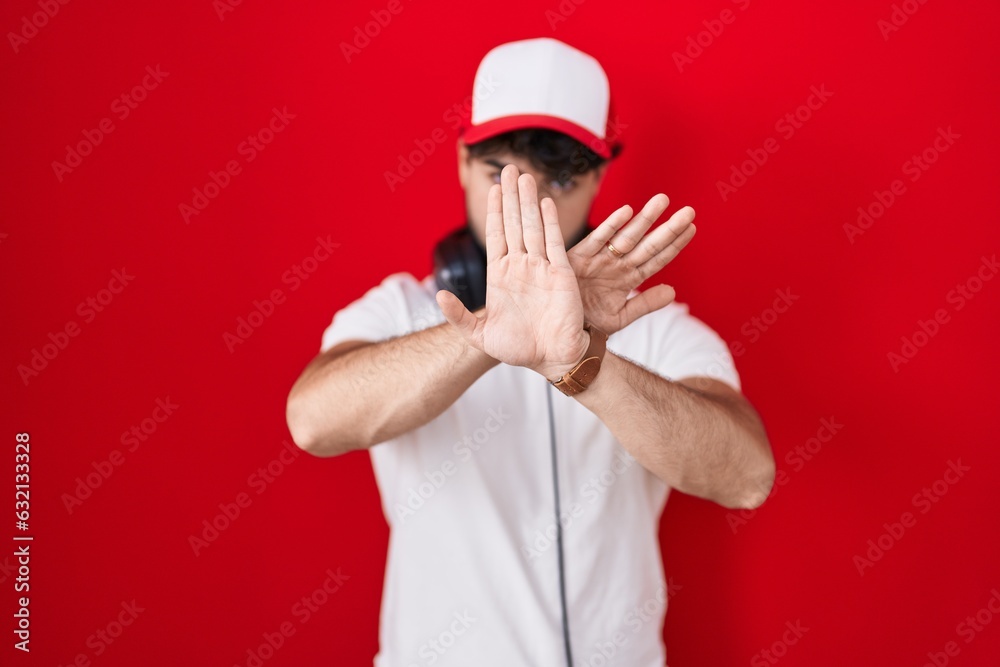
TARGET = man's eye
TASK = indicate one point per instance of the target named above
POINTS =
(495, 177)
(562, 186)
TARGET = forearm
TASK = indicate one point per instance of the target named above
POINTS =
(379, 391)
(699, 444)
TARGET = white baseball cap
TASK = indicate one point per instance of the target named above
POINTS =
(541, 83)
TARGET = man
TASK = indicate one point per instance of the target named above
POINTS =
(523, 461)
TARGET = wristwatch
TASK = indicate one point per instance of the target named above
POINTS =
(580, 377)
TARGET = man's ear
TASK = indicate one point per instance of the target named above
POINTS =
(463, 163)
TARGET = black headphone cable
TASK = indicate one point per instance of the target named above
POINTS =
(559, 543)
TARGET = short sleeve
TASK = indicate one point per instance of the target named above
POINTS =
(378, 315)
(676, 345)
(696, 350)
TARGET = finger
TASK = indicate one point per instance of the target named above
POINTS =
(661, 237)
(596, 239)
(459, 317)
(511, 210)
(646, 302)
(627, 238)
(531, 219)
(496, 242)
(667, 255)
(555, 246)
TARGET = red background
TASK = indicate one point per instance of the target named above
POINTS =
(162, 336)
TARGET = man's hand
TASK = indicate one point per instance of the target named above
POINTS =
(606, 280)
(534, 314)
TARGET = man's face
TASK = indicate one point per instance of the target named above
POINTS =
(572, 200)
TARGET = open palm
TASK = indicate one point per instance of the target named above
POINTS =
(534, 315)
(607, 280)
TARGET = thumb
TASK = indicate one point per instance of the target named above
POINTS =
(646, 302)
(459, 317)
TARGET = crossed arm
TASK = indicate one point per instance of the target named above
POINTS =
(697, 434)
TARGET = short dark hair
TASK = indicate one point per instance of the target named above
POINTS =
(557, 155)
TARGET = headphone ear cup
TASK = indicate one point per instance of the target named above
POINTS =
(475, 259)
(460, 268)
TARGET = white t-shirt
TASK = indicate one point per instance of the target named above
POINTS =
(472, 572)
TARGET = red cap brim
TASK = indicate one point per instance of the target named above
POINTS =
(475, 134)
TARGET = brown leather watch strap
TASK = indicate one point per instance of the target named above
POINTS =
(580, 377)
